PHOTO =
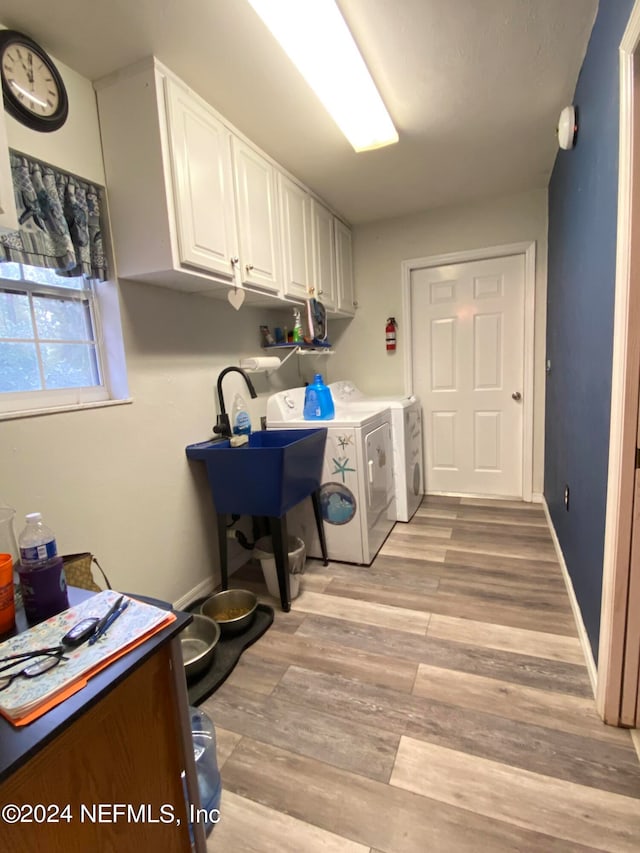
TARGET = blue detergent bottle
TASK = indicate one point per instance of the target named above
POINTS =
(318, 402)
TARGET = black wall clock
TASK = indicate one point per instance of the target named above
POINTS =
(32, 88)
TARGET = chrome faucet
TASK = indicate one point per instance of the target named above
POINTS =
(223, 425)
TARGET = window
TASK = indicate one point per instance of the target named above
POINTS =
(60, 334)
(49, 339)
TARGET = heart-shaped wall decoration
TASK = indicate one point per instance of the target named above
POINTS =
(236, 298)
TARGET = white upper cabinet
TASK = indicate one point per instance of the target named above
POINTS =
(346, 302)
(295, 223)
(196, 207)
(259, 234)
(324, 255)
(169, 182)
(8, 215)
(202, 184)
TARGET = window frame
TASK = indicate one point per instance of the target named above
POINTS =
(15, 404)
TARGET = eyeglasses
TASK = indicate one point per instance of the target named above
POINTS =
(50, 658)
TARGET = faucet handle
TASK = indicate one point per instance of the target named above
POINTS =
(223, 426)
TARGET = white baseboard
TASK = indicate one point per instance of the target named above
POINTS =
(200, 591)
(577, 613)
(236, 561)
(237, 556)
(536, 497)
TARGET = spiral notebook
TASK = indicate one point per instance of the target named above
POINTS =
(26, 699)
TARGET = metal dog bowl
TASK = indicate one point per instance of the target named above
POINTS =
(199, 641)
(222, 603)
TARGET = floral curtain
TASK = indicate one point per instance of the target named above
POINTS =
(60, 221)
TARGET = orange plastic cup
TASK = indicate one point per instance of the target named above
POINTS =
(7, 601)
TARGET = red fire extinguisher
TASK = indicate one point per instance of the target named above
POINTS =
(390, 334)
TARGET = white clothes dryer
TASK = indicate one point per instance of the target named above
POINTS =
(406, 432)
(356, 492)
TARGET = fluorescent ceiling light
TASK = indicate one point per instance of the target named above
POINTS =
(315, 36)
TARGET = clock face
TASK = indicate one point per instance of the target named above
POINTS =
(33, 90)
(30, 80)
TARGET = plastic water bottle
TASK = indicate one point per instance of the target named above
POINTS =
(318, 402)
(41, 571)
(37, 542)
(204, 751)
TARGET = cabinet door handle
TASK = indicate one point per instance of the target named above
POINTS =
(234, 260)
(370, 467)
(248, 267)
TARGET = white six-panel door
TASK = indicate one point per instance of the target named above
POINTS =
(468, 369)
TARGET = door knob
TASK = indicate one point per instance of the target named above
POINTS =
(517, 396)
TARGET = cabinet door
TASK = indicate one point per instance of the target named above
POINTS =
(346, 302)
(324, 255)
(202, 183)
(255, 183)
(8, 215)
(295, 224)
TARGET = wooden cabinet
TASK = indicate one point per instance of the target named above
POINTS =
(295, 223)
(123, 750)
(346, 302)
(257, 218)
(8, 215)
(324, 267)
(124, 738)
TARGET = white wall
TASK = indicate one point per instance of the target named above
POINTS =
(380, 248)
(76, 146)
(115, 480)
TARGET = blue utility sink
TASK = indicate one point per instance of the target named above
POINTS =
(268, 476)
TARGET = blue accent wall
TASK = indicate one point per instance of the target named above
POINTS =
(583, 197)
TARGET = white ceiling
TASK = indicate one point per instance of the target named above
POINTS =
(474, 86)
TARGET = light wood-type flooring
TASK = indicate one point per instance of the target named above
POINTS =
(437, 700)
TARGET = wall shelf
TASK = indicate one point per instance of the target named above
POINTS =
(316, 349)
(291, 349)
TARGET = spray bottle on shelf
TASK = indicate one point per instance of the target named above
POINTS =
(298, 335)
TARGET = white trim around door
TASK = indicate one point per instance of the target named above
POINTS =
(618, 570)
(529, 252)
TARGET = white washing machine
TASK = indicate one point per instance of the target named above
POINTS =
(406, 432)
(356, 494)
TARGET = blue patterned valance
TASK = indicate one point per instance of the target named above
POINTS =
(60, 221)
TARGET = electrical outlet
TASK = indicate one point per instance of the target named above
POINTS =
(566, 497)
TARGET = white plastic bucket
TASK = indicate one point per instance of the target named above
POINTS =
(263, 550)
